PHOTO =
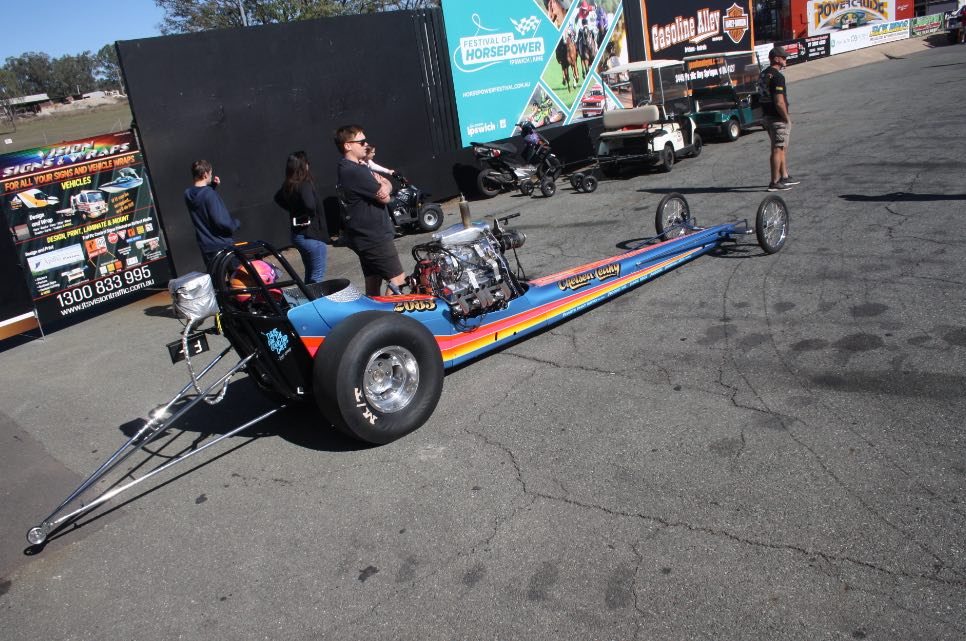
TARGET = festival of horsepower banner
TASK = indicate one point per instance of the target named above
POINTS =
(540, 61)
(692, 27)
(82, 221)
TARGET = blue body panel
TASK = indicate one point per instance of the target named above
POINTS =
(547, 301)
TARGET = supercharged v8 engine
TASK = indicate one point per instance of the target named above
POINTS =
(467, 268)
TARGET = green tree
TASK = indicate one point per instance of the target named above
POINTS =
(107, 70)
(70, 75)
(31, 72)
(190, 16)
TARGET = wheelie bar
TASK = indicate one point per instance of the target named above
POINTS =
(156, 424)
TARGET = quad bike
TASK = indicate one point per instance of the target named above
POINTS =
(408, 208)
(410, 211)
(658, 131)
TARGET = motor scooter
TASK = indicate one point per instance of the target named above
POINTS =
(503, 168)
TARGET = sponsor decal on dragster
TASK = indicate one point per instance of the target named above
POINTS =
(462, 345)
(278, 342)
(582, 280)
(425, 305)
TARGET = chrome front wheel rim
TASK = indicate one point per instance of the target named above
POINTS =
(674, 216)
(775, 220)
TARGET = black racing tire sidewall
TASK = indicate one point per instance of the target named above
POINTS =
(340, 364)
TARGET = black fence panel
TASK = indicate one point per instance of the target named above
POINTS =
(245, 98)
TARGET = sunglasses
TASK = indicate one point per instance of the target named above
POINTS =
(362, 142)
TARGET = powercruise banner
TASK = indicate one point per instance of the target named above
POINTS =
(540, 61)
(82, 221)
(833, 16)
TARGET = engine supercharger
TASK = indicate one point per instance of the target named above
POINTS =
(466, 266)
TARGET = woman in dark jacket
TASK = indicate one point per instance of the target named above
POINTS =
(306, 216)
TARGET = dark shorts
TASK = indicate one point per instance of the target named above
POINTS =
(381, 260)
(779, 131)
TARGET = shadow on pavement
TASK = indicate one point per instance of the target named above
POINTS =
(747, 189)
(901, 196)
(299, 424)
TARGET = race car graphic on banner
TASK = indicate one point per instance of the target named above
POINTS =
(539, 61)
(82, 220)
(691, 27)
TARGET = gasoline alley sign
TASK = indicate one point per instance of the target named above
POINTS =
(697, 27)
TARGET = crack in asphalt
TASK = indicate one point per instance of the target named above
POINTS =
(818, 459)
(725, 534)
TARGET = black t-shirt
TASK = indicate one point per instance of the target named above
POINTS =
(771, 83)
(304, 204)
(366, 220)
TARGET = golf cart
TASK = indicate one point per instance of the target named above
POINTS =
(724, 92)
(657, 130)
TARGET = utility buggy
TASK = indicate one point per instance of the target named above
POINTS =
(724, 93)
(657, 130)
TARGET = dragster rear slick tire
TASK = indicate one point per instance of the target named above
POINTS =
(771, 224)
(378, 376)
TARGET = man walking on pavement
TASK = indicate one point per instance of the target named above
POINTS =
(773, 94)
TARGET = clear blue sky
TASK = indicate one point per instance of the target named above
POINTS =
(58, 27)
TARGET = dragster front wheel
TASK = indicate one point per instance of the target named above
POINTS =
(673, 216)
(378, 376)
(771, 224)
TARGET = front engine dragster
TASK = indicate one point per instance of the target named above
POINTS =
(374, 366)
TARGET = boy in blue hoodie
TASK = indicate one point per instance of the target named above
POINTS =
(213, 223)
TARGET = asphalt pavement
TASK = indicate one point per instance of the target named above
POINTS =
(749, 447)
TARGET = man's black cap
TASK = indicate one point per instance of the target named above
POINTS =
(777, 52)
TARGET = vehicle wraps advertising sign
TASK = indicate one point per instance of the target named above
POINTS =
(799, 50)
(925, 25)
(540, 61)
(830, 16)
(690, 27)
(83, 223)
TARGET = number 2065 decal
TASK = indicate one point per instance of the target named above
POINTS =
(415, 306)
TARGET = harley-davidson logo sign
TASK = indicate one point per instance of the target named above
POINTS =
(736, 23)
